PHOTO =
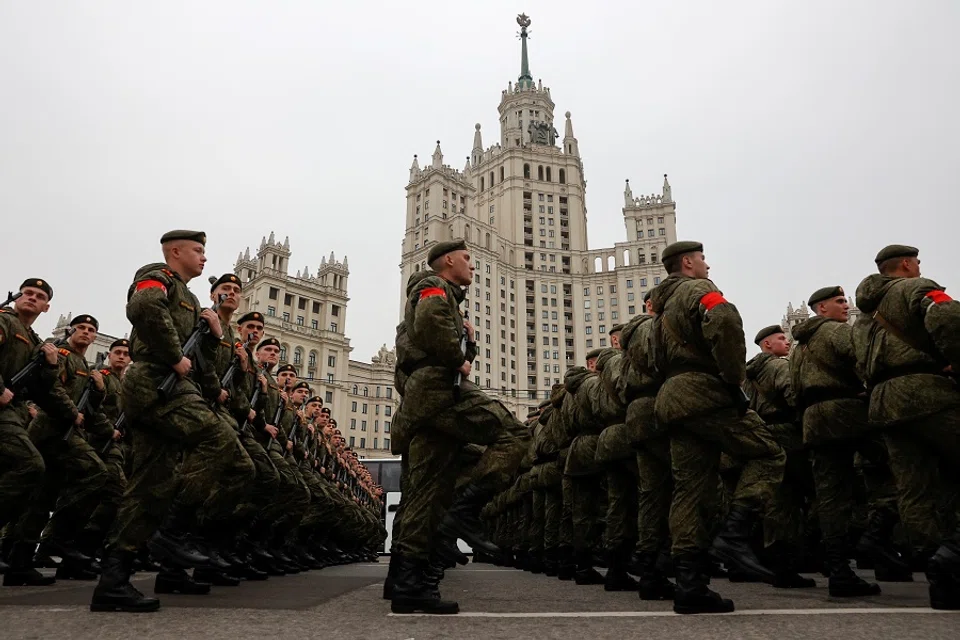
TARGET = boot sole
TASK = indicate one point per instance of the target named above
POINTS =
(730, 559)
(685, 610)
(104, 607)
(406, 609)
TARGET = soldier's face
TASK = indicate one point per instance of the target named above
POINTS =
(648, 305)
(190, 257)
(777, 345)
(268, 354)
(287, 378)
(83, 335)
(232, 301)
(251, 332)
(300, 395)
(33, 301)
(615, 340)
(120, 357)
(835, 309)
(698, 264)
(312, 409)
(462, 268)
(592, 364)
(912, 267)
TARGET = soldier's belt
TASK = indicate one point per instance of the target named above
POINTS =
(907, 370)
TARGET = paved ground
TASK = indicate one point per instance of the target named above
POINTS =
(345, 602)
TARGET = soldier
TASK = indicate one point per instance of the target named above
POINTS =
(700, 351)
(833, 404)
(908, 348)
(591, 360)
(445, 409)
(771, 396)
(166, 430)
(615, 333)
(21, 465)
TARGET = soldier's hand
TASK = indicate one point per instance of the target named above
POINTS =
(465, 368)
(242, 356)
(222, 398)
(213, 321)
(300, 415)
(310, 429)
(272, 430)
(79, 421)
(468, 327)
(289, 446)
(32, 410)
(97, 380)
(6, 397)
(116, 435)
(183, 367)
(49, 352)
(283, 396)
(251, 415)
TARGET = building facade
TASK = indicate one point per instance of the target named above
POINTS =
(541, 297)
(100, 348)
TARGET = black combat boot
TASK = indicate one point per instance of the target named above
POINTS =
(462, 520)
(170, 543)
(391, 576)
(411, 593)
(653, 584)
(693, 594)
(214, 577)
(944, 584)
(784, 562)
(21, 572)
(876, 542)
(617, 578)
(585, 573)
(566, 566)
(885, 573)
(551, 563)
(68, 570)
(449, 551)
(63, 550)
(535, 561)
(433, 573)
(114, 591)
(732, 544)
(844, 583)
(176, 580)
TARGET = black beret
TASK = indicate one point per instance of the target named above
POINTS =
(325, 410)
(251, 316)
(301, 385)
(615, 328)
(443, 248)
(38, 283)
(85, 319)
(183, 234)
(285, 368)
(268, 342)
(647, 295)
(594, 353)
(896, 251)
(826, 293)
(766, 332)
(122, 342)
(317, 399)
(680, 248)
(227, 277)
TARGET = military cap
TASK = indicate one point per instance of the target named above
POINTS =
(38, 283)
(680, 248)
(443, 248)
(250, 316)
(122, 342)
(225, 278)
(766, 332)
(268, 342)
(85, 319)
(285, 368)
(896, 251)
(647, 295)
(301, 385)
(615, 328)
(826, 293)
(325, 410)
(317, 399)
(183, 234)
(594, 353)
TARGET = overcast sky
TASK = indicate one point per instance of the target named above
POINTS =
(799, 137)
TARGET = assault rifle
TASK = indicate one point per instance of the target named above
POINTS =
(11, 297)
(278, 414)
(254, 398)
(31, 367)
(83, 405)
(117, 426)
(292, 436)
(190, 350)
(463, 350)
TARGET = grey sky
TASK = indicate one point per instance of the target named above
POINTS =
(799, 137)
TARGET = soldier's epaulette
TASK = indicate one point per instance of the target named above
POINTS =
(238, 344)
(23, 338)
(64, 352)
(224, 343)
(80, 372)
(105, 372)
(168, 272)
(6, 310)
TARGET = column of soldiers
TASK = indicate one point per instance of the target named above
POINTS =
(188, 449)
(670, 456)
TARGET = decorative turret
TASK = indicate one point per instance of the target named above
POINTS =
(667, 192)
(628, 195)
(414, 169)
(273, 254)
(570, 145)
(477, 146)
(526, 110)
(246, 267)
(332, 273)
(437, 157)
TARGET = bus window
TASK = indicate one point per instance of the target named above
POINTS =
(390, 476)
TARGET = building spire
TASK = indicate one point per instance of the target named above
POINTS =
(437, 157)
(525, 81)
(667, 191)
(570, 145)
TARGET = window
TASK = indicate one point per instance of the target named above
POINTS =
(316, 307)
(586, 304)
(603, 342)
(374, 443)
(386, 426)
(376, 423)
(589, 344)
(302, 303)
(286, 316)
(333, 327)
(386, 443)
(363, 425)
(631, 310)
(650, 233)
(588, 330)
(335, 310)
(353, 406)
(630, 297)
(312, 360)
(283, 354)
(287, 299)
(629, 284)
(297, 355)
(660, 220)
(328, 396)
(352, 442)
(363, 441)
(656, 280)
(387, 410)
(613, 288)
(353, 423)
(601, 316)
(366, 391)
(600, 291)
(299, 321)
(331, 361)
(363, 408)
(314, 324)
(356, 389)
(389, 393)
(274, 293)
(643, 282)
(271, 311)
(586, 317)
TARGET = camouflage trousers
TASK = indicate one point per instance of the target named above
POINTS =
(116, 483)
(433, 465)
(584, 507)
(265, 483)
(622, 499)
(654, 493)
(72, 487)
(835, 477)
(695, 449)
(293, 496)
(212, 477)
(21, 467)
(538, 520)
(925, 460)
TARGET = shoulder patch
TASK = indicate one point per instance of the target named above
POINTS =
(151, 284)
(187, 306)
(105, 372)
(226, 344)
(64, 352)
(939, 297)
(430, 292)
(23, 338)
(82, 373)
(168, 272)
(712, 299)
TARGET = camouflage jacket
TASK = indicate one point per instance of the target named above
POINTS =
(111, 407)
(74, 377)
(905, 366)
(823, 365)
(19, 345)
(698, 347)
(770, 389)
(163, 313)
(639, 376)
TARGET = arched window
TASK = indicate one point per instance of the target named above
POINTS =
(526, 171)
(597, 264)
(626, 257)
(481, 183)
(563, 177)
(416, 267)
(312, 360)
(540, 172)
(283, 353)
(549, 178)
(611, 263)
(356, 389)
(487, 241)
(491, 179)
(501, 174)
(466, 232)
(366, 392)
(653, 256)
(297, 355)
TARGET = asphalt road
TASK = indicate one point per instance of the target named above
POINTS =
(345, 602)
